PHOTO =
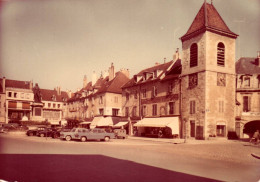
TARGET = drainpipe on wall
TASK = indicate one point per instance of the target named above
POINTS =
(180, 110)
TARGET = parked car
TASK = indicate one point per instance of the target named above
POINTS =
(86, 134)
(56, 134)
(120, 133)
(34, 132)
(46, 132)
(13, 127)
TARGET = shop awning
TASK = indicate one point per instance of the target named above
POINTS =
(120, 124)
(85, 122)
(101, 121)
(171, 122)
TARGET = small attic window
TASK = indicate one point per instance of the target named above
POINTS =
(137, 78)
(53, 98)
(157, 73)
(148, 75)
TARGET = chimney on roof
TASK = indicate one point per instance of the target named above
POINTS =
(176, 56)
(69, 93)
(58, 91)
(85, 81)
(111, 71)
(257, 60)
(164, 60)
(31, 85)
(94, 78)
(125, 72)
(3, 84)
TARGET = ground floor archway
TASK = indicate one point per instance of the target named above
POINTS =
(250, 127)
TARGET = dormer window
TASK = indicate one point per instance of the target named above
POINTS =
(221, 54)
(193, 55)
(157, 73)
(53, 98)
(137, 78)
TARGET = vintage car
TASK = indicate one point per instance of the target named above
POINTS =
(120, 133)
(56, 134)
(34, 132)
(86, 134)
(46, 132)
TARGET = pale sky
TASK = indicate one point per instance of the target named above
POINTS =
(57, 42)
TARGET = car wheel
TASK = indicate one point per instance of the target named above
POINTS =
(106, 139)
(41, 135)
(68, 138)
(83, 139)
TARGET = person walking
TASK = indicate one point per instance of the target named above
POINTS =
(255, 137)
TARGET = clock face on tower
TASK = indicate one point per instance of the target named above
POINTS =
(221, 79)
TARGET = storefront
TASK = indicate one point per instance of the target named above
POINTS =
(167, 127)
(16, 110)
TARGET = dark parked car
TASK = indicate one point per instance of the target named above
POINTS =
(56, 134)
(34, 132)
(46, 132)
(13, 127)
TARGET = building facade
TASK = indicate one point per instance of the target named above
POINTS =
(100, 97)
(248, 96)
(151, 100)
(18, 101)
(18, 96)
(208, 76)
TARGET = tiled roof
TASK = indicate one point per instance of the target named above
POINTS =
(17, 84)
(211, 21)
(47, 95)
(163, 67)
(114, 86)
(247, 65)
(175, 70)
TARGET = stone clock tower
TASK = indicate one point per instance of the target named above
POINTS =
(208, 76)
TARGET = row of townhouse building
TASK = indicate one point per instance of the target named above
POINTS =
(19, 102)
(203, 92)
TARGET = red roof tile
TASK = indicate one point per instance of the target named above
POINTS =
(246, 65)
(48, 94)
(163, 67)
(17, 84)
(114, 86)
(211, 21)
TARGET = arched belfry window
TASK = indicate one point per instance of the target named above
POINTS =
(193, 55)
(221, 54)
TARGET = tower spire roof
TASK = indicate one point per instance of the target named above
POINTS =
(208, 19)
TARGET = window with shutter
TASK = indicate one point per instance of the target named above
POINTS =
(194, 55)
(221, 54)
(246, 104)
